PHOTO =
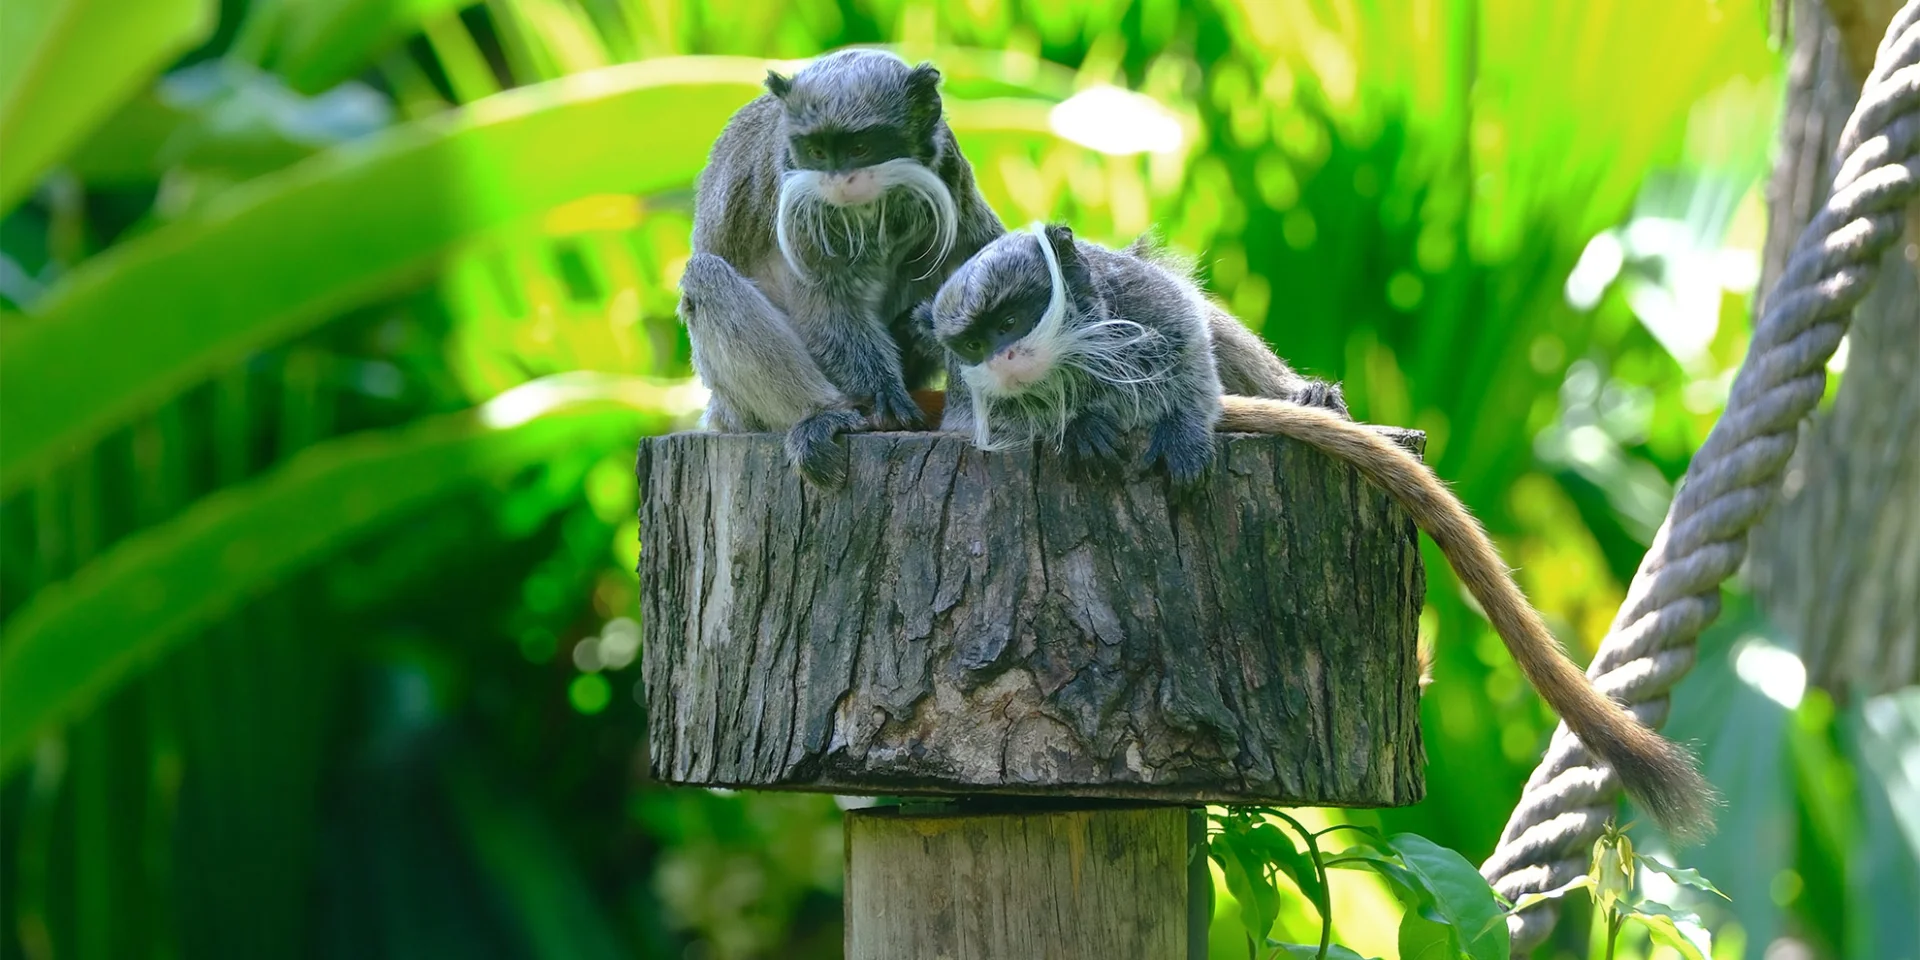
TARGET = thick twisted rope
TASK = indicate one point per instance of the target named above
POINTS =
(1733, 478)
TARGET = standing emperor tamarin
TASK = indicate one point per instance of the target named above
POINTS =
(831, 206)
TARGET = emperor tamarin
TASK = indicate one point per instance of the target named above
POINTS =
(1126, 341)
(830, 206)
(1065, 339)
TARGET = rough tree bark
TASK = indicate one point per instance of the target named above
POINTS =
(1837, 562)
(961, 623)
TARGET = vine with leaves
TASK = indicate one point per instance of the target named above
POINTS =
(1451, 912)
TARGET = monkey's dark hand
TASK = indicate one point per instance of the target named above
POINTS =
(1091, 445)
(812, 450)
(1321, 393)
(894, 409)
(1184, 448)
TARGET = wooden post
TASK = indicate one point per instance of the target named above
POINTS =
(966, 625)
(1110, 882)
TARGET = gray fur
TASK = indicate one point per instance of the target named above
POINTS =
(1156, 373)
(762, 369)
(1247, 366)
(761, 378)
(846, 307)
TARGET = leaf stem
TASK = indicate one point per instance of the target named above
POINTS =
(1324, 902)
(1356, 827)
(1613, 930)
(1336, 861)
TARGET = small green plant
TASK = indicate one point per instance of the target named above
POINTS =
(1610, 882)
(1451, 911)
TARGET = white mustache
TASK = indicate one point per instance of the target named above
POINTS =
(1107, 351)
(803, 207)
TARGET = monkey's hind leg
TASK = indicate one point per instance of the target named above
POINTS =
(760, 372)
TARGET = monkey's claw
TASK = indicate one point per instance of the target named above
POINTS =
(1320, 393)
(1091, 446)
(1184, 453)
(812, 450)
(824, 465)
(897, 412)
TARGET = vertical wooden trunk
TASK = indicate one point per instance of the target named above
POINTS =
(1103, 883)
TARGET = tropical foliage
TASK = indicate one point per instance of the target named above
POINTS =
(329, 327)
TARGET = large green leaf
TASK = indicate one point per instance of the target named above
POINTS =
(319, 44)
(159, 313)
(1460, 895)
(81, 638)
(65, 64)
(1247, 880)
(1277, 848)
(1311, 951)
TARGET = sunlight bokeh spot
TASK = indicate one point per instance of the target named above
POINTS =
(1116, 121)
(619, 642)
(1773, 670)
(589, 693)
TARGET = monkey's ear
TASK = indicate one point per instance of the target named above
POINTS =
(922, 315)
(923, 94)
(1072, 269)
(923, 80)
(778, 85)
(1060, 238)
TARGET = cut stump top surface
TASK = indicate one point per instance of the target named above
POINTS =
(954, 622)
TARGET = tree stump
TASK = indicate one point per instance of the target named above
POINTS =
(978, 625)
(956, 622)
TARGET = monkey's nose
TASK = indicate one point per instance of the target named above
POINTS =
(851, 189)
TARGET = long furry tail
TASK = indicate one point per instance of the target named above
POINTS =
(1661, 775)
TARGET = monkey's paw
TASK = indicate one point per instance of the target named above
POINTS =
(1184, 452)
(895, 410)
(1091, 446)
(812, 450)
(1321, 393)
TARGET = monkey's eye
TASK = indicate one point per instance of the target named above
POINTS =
(971, 345)
(1005, 325)
(859, 151)
(815, 153)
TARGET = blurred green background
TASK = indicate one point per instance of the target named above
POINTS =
(330, 327)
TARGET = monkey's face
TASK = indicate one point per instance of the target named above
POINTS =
(855, 120)
(859, 131)
(999, 342)
(989, 316)
(851, 164)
